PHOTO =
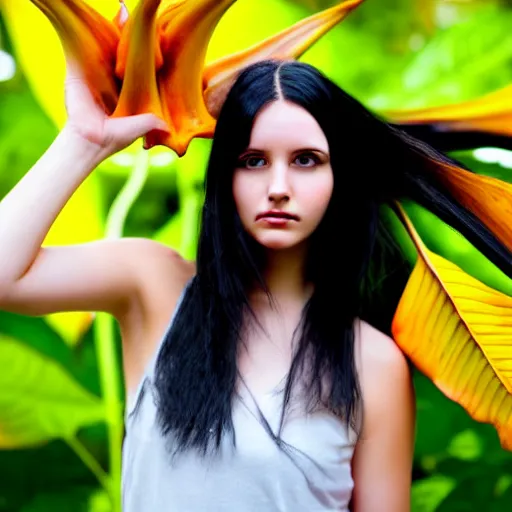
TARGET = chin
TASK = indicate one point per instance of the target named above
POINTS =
(278, 241)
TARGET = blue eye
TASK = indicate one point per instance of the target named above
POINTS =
(252, 162)
(307, 160)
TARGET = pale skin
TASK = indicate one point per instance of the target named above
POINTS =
(139, 281)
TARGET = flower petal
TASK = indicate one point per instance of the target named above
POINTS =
(219, 76)
(490, 199)
(186, 28)
(490, 114)
(138, 53)
(90, 42)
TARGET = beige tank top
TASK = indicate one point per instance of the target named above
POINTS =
(314, 475)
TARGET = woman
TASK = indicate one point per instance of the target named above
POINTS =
(252, 381)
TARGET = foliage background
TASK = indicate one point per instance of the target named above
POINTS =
(55, 449)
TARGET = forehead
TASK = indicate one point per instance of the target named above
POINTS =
(284, 124)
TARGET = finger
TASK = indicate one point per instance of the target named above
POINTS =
(79, 98)
(133, 127)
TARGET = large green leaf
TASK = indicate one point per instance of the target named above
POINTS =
(457, 64)
(39, 401)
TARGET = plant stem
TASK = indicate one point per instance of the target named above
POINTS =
(109, 370)
(91, 463)
(109, 366)
(127, 196)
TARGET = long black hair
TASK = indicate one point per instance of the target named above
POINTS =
(373, 164)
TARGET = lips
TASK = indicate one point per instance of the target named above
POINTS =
(277, 214)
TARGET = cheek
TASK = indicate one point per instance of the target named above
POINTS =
(317, 195)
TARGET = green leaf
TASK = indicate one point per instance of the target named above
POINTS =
(79, 362)
(457, 64)
(433, 408)
(39, 400)
(428, 493)
(466, 445)
(51, 466)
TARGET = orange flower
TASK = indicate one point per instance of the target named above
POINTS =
(491, 114)
(153, 61)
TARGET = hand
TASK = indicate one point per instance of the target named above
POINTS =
(88, 120)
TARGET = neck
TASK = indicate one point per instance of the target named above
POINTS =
(284, 274)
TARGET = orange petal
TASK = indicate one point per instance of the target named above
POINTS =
(289, 44)
(136, 63)
(90, 42)
(491, 113)
(490, 199)
(458, 332)
(186, 28)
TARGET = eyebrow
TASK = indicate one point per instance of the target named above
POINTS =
(300, 150)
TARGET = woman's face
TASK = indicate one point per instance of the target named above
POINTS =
(283, 182)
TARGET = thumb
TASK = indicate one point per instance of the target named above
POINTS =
(132, 127)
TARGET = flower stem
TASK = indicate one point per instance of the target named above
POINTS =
(127, 196)
(108, 363)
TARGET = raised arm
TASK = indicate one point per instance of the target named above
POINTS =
(95, 276)
(121, 277)
(36, 281)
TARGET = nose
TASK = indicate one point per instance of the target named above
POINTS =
(279, 186)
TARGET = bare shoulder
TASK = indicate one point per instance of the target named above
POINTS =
(384, 377)
(155, 261)
(161, 274)
(376, 352)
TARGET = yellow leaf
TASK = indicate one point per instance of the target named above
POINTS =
(458, 332)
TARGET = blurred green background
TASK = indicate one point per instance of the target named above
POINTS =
(60, 384)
